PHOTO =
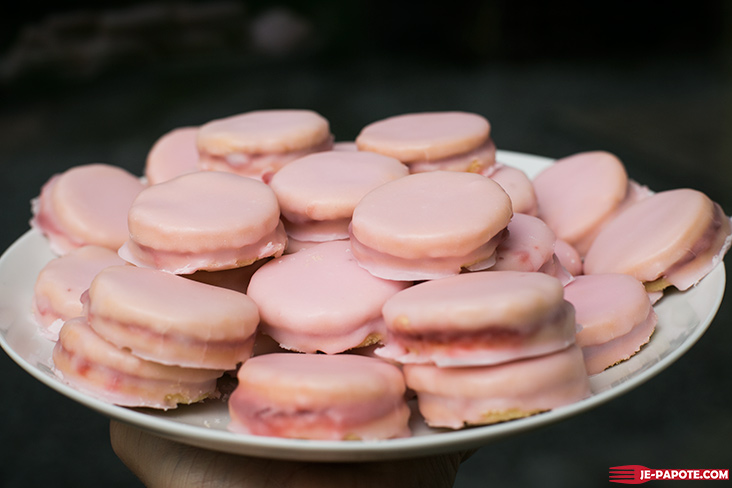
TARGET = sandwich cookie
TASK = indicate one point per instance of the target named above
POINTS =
(479, 318)
(86, 204)
(169, 319)
(60, 284)
(430, 141)
(320, 299)
(258, 143)
(673, 238)
(430, 225)
(458, 397)
(319, 396)
(92, 365)
(578, 194)
(204, 221)
(616, 317)
(529, 247)
(317, 193)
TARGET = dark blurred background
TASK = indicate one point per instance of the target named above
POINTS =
(648, 81)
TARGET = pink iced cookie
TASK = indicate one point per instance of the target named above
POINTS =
(317, 193)
(518, 186)
(293, 245)
(480, 318)
(578, 194)
(674, 238)
(530, 247)
(452, 141)
(318, 396)
(349, 146)
(568, 257)
(204, 221)
(85, 205)
(257, 144)
(460, 397)
(430, 225)
(59, 285)
(169, 319)
(616, 317)
(94, 366)
(175, 153)
(320, 299)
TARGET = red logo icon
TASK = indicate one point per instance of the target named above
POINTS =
(629, 475)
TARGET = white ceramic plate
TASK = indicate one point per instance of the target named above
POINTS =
(683, 318)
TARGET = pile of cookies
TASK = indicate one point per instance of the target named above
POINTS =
(337, 280)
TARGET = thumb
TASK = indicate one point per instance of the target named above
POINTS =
(160, 463)
(156, 461)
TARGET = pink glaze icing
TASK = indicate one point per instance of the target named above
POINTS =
(446, 138)
(528, 247)
(314, 231)
(86, 204)
(518, 186)
(599, 357)
(259, 143)
(59, 285)
(175, 153)
(258, 166)
(320, 299)
(345, 146)
(456, 397)
(430, 225)
(317, 396)
(169, 319)
(294, 245)
(579, 193)
(678, 235)
(616, 316)
(392, 267)
(568, 257)
(317, 193)
(607, 306)
(478, 318)
(204, 220)
(479, 160)
(104, 371)
(554, 268)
